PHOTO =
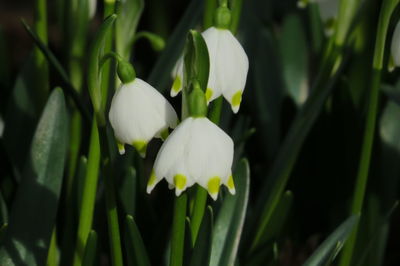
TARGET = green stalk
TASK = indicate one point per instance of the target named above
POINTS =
(111, 205)
(209, 8)
(41, 67)
(198, 212)
(112, 219)
(89, 194)
(178, 231)
(388, 7)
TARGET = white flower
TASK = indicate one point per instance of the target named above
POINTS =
(197, 151)
(138, 113)
(395, 46)
(228, 68)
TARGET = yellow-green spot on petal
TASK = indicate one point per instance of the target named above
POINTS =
(237, 98)
(231, 184)
(180, 181)
(152, 179)
(176, 86)
(213, 184)
(209, 93)
(140, 146)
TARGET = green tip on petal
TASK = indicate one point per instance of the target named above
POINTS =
(213, 186)
(231, 185)
(141, 147)
(152, 181)
(180, 181)
(209, 93)
(236, 100)
(121, 148)
(176, 86)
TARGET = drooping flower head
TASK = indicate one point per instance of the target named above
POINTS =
(228, 67)
(138, 113)
(197, 151)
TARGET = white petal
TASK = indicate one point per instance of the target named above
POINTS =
(232, 66)
(138, 112)
(212, 38)
(172, 150)
(395, 46)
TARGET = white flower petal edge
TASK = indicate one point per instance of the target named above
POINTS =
(197, 151)
(228, 68)
(395, 45)
(138, 113)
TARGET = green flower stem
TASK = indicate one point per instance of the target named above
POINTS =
(388, 7)
(178, 231)
(89, 194)
(236, 7)
(209, 9)
(111, 205)
(215, 113)
(41, 67)
(198, 212)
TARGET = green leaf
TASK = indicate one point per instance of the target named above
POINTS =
(127, 191)
(161, 73)
(197, 60)
(230, 219)
(94, 64)
(328, 250)
(137, 248)
(293, 50)
(126, 25)
(28, 235)
(3, 210)
(21, 112)
(202, 248)
(90, 254)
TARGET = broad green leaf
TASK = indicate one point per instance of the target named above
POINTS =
(127, 191)
(136, 247)
(328, 250)
(161, 73)
(125, 26)
(21, 112)
(28, 235)
(293, 50)
(230, 219)
(202, 248)
(90, 254)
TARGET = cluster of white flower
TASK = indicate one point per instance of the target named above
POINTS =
(197, 150)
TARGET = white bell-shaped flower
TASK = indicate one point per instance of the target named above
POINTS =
(138, 113)
(395, 45)
(197, 151)
(228, 68)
